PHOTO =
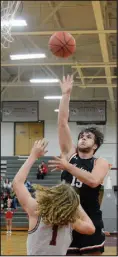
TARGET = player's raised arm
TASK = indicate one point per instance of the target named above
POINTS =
(64, 134)
(28, 203)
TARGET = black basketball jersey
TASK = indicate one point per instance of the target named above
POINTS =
(89, 197)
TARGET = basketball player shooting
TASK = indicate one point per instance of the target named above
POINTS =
(54, 212)
(84, 172)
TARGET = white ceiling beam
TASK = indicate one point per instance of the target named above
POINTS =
(95, 74)
(99, 86)
(51, 14)
(104, 48)
(81, 75)
(33, 43)
(97, 77)
(95, 65)
(73, 32)
(82, 65)
(5, 71)
(6, 85)
(55, 14)
(78, 68)
(74, 72)
(52, 72)
(27, 84)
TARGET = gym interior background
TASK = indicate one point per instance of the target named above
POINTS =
(93, 65)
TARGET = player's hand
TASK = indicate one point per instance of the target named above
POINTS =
(39, 149)
(66, 84)
(58, 163)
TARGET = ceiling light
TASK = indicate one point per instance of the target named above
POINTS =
(14, 23)
(56, 110)
(26, 56)
(52, 97)
(44, 80)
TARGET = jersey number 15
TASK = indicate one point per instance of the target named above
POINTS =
(76, 182)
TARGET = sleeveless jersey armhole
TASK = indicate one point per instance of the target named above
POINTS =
(36, 226)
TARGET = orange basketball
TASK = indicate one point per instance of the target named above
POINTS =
(62, 44)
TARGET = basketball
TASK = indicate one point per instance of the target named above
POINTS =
(62, 44)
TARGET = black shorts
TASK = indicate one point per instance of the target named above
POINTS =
(83, 244)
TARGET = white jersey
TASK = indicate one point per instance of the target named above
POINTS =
(47, 240)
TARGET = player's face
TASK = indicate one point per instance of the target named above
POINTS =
(86, 142)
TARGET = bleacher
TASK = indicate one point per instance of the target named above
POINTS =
(3, 168)
(13, 164)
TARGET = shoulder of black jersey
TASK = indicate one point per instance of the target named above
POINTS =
(74, 155)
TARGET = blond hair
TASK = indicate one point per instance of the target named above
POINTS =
(57, 205)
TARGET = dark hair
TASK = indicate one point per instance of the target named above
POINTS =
(99, 137)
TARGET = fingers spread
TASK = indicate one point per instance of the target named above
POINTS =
(67, 79)
(43, 143)
(39, 143)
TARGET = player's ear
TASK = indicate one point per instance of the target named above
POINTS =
(95, 147)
